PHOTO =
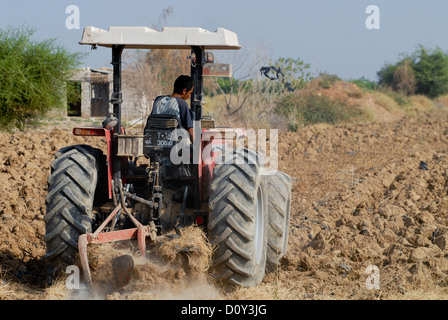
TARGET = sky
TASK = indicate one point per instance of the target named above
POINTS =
(330, 35)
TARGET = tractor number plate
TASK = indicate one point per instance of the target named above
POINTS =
(159, 139)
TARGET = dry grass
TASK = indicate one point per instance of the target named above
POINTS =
(442, 101)
(421, 102)
(388, 103)
(192, 251)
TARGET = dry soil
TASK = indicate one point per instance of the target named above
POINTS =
(368, 200)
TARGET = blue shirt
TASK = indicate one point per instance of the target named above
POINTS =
(185, 114)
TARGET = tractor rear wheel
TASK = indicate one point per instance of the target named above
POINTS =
(238, 221)
(69, 202)
(279, 193)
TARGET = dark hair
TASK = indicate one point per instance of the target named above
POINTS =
(183, 82)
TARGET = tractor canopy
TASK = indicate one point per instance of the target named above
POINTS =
(168, 38)
(197, 40)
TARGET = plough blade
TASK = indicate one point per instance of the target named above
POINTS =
(122, 268)
(124, 265)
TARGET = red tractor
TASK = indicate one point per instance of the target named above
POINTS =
(137, 192)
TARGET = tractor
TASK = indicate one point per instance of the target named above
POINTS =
(137, 192)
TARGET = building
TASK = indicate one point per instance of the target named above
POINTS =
(95, 87)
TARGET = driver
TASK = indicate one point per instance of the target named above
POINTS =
(176, 104)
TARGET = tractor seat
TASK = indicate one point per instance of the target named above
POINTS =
(161, 121)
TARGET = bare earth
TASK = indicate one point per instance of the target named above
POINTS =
(361, 197)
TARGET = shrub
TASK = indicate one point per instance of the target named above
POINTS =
(327, 80)
(431, 72)
(423, 72)
(442, 101)
(398, 96)
(295, 72)
(421, 102)
(34, 76)
(364, 83)
(310, 108)
(386, 101)
(404, 78)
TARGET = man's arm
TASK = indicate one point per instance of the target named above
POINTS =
(191, 132)
(186, 118)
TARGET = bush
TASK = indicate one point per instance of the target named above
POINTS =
(421, 102)
(34, 76)
(311, 108)
(431, 72)
(442, 101)
(423, 72)
(327, 80)
(385, 100)
(364, 83)
(401, 98)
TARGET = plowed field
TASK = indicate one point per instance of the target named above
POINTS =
(370, 201)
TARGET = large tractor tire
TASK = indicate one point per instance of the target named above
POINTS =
(238, 221)
(69, 202)
(279, 195)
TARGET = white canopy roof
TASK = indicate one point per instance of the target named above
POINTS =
(168, 38)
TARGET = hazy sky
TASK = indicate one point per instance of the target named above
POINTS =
(330, 35)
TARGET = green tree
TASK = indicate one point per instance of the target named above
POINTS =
(229, 84)
(386, 75)
(295, 72)
(431, 71)
(34, 76)
(425, 72)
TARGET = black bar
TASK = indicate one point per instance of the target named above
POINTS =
(116, 94)
(116, 100)
(196, 107)
(198, 90)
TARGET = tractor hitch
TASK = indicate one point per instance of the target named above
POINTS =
(121, 275)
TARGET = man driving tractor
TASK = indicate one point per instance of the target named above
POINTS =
(176, 104)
